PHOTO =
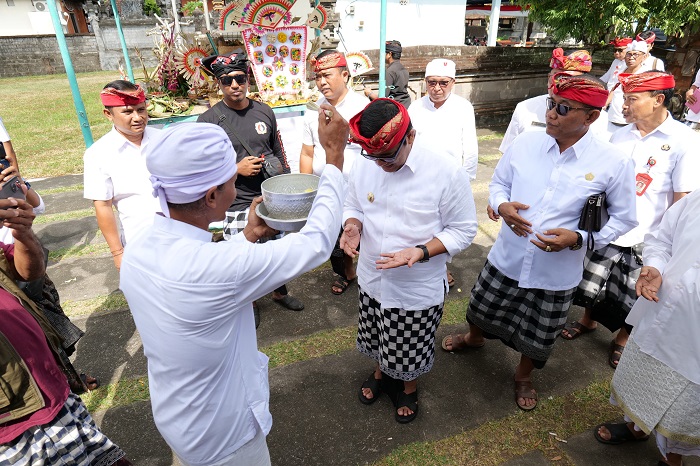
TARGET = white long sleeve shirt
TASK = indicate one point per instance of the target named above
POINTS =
(676, 169)
(450, 129)
(191, 301)
(556, 185)
(429, 197)
(668, 330)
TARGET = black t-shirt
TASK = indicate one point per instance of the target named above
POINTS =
(397, 82)
(257, 124)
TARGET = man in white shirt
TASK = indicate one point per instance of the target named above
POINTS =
(651, 63)
(407, 205)
(658, 381)
(618, 64)
(531, 114)
(665, 156)
(191, 297)
(115, 171)
(332, 76)
(636, 53)
(526, 288)
(445, 121)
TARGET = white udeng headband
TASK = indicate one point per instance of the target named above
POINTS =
(637, 46)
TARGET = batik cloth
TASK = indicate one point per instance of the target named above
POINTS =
(401, 341)
(526, 319)
(71, 438)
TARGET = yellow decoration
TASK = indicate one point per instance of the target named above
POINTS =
(590, 176)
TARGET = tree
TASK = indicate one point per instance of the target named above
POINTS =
(598, 21)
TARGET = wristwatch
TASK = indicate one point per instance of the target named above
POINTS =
(579, 242)
(426, 254)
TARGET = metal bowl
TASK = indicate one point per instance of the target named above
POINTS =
(289, 197)
(277, 224)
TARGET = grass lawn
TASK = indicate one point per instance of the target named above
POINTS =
(39, 114)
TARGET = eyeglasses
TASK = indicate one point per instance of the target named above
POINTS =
(435, 83)
(562, 110)
(386, 159)
(240, 79)
(633, 55)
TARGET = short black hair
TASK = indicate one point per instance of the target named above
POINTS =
(121, 85)
(194, 206)
(376, 115)
(667, 93)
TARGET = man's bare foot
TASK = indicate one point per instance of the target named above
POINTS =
(525, 395)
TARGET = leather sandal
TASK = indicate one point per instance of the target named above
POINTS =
(575, 329)
(524, 389)
(619, 433)
(614, 354)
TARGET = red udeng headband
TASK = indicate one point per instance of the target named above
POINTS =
(115, 98)
(388, 137)
(649, 81)
(332, 60)
(579, 89)
(621, 42)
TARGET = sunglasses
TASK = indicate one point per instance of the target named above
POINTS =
(620, 50)
(434, 83)
(386, 159)
(562, 110)
(240, 79)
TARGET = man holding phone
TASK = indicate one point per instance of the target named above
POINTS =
(251, 126)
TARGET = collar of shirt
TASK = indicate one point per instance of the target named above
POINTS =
(178, 228)
(578, 148)
(120, 141)
(667, 128)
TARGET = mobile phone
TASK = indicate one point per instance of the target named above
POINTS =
(12, 188)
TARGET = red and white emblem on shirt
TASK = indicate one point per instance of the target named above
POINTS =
(261, 127)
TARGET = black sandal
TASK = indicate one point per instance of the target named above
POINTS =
(619, 433)
(614, 354)
(375, 386)
(407, 400)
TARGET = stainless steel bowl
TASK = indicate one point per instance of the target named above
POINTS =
(289, 197)
(281, 225)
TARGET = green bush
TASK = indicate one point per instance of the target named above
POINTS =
(151, 7)
(189, 7)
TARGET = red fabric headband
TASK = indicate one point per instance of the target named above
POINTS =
(579, 60)
(388, 137)
(649, 40)
(579, 89)
(621, 42)
(649, 81)
(332, 60)
(112, 97)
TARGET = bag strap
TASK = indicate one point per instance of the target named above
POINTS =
(223, 121)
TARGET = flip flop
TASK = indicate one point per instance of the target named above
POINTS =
(524, 389)
(406, 400)
(619, 433)
(459, 339)
(614, 354)
(375, 386)
(341, 284)
(576, 329)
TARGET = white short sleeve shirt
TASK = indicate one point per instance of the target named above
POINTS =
(116, 170)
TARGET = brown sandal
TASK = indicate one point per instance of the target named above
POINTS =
(614, 354)
(458, 343)
(575, 329)
(524, 389)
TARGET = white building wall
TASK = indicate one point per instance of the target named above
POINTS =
(22, 19)
(418, 22)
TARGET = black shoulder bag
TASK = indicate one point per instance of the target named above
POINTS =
(271, 165)
(593, 217)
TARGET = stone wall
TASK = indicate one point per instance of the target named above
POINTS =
(35, 55)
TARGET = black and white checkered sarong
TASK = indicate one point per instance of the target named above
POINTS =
(235, 222)
(401, 341)
(70, 438)
(526, 319)
(609, 277)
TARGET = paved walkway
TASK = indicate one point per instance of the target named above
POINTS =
(317, 417)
